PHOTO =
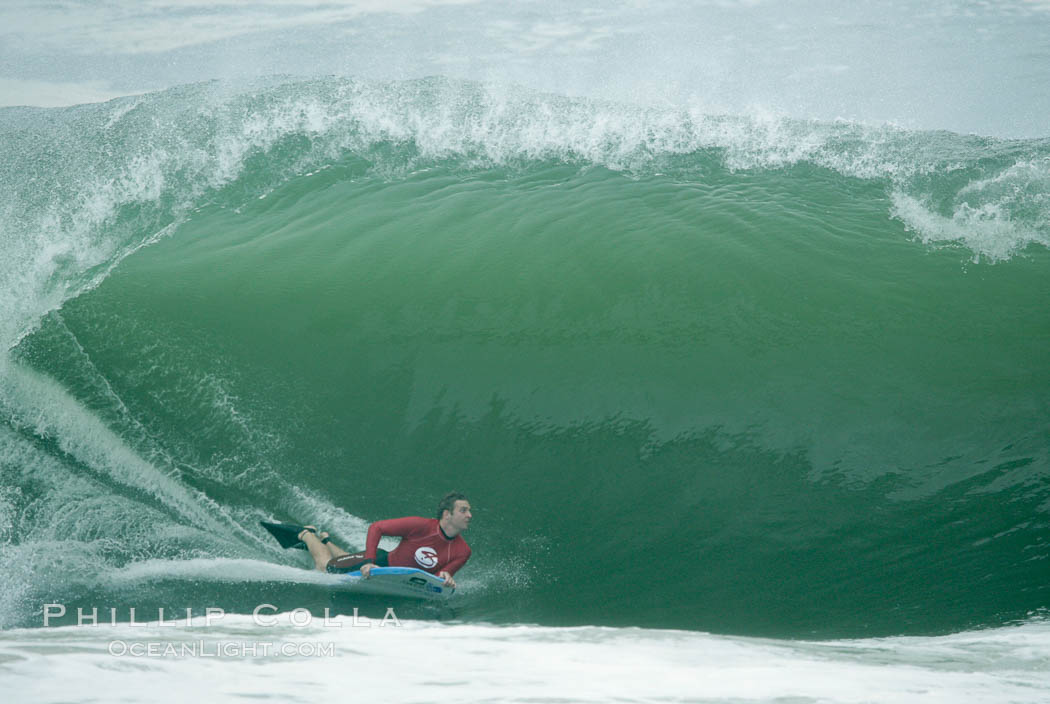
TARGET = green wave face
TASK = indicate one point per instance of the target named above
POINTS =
(693, 371)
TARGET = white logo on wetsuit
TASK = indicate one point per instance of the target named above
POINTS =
(427, 557)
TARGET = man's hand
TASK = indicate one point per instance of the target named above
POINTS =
(366, 569)
(449, 582)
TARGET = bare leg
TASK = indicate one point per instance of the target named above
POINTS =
(333, 549)
(318, 551)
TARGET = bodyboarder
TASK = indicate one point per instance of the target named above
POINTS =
(432, 544)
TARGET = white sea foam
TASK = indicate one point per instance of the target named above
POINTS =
(227, 570)
(987, 230)
(411, 661)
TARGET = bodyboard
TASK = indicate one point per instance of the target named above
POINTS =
(396, 581)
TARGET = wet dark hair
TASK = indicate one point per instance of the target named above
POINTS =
(449, 502)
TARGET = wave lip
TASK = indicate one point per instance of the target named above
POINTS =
(86, 186)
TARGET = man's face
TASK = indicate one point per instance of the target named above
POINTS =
(460, 515)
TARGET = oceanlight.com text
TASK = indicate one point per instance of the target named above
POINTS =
(220, 649)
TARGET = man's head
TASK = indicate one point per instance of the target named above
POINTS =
(454, 513)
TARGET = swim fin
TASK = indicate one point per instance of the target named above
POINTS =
(287, 534)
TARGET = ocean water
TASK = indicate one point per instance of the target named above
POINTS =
(731, 319)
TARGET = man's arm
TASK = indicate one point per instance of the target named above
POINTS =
(454, 566)
(398, 527)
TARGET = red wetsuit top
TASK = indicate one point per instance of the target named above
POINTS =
(423, 545)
